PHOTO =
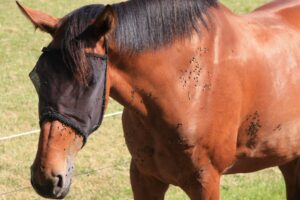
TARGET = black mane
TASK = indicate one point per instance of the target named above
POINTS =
(141, 25)
(73, 48)
(150, 24)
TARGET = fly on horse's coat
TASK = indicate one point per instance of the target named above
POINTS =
(206, 92)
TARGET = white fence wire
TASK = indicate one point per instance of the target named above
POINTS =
(38, 130)
(82, 174)
(21, 189)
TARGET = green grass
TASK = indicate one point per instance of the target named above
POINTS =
(105, 150)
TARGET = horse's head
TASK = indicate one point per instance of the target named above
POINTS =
(72, 84)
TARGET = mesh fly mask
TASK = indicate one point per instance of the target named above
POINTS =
(64, 99)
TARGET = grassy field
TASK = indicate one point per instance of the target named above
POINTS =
(102, 167)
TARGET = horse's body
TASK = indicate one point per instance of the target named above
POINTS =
(220, 102)
(230, 108)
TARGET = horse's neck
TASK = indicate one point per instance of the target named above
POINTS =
(174, 81)
(146, 79)
(159, 79)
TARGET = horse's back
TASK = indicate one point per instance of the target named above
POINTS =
(287, 10)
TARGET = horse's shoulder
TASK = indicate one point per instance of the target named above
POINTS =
(288, 10)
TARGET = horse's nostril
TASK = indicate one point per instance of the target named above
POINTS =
(58, 186)
(60, 182)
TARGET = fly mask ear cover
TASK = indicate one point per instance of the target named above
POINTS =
(63, 98)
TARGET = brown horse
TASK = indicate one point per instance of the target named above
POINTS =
(206, 92)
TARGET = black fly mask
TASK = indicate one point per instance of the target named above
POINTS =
(63, 98)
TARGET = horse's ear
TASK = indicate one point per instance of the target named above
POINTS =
(102, 25)
(40, 20)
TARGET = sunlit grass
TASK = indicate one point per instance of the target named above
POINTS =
(105, 150)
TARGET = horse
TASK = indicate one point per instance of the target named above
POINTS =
(206, 92)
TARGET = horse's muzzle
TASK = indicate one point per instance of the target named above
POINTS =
(51, 185)
(52, 169)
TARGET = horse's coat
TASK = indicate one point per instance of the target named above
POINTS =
(220, 102)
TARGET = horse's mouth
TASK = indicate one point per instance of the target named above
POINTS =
(50, 191)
